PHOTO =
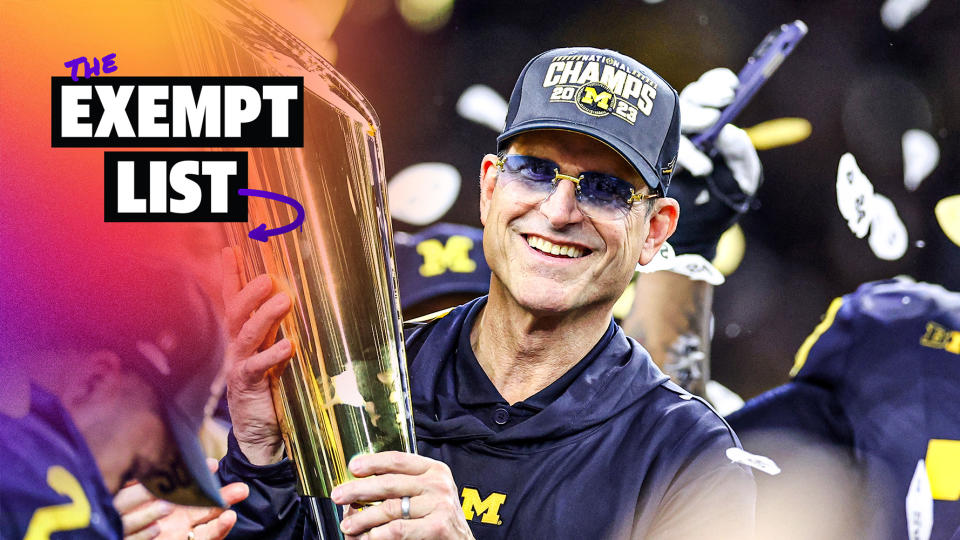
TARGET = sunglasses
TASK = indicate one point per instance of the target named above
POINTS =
(599, 195)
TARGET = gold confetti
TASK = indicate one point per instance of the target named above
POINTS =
(948, 215)
(779, 132)
(730, 250)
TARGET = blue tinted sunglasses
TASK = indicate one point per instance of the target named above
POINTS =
(599, 195)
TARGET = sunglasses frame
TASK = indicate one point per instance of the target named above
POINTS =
(557, 176)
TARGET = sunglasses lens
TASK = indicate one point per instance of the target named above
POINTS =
(599, 195)
(604, 196)
(530, 167)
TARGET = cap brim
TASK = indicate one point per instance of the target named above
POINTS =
(646, 171)
(185, 479)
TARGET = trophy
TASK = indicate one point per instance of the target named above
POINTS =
(345, 390)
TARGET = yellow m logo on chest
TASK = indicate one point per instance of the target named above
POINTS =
(487, 509)
(454, 256)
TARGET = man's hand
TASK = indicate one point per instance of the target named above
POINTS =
(712, 192)
(145, 517)
(252, 316)
(387, 477)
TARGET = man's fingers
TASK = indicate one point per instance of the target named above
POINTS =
(408, 529)
(390, 462)
(376, 515)
(231, 493)
(253, 332)
(692, 160)
(151, 532)
(256, 367)
(695, 118)
(242, 302)
(137, 520)
(212, 464)
(715, 88)
(234, 493)
(377, 488)
(737, 149)
(216, 529)
(131, 497)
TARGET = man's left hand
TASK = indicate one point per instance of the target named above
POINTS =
(145, 517)
(713, 192)
(387, 477)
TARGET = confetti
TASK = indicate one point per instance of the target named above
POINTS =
(896, 13)
(483, 105)
(730, 250)
(779, 132)
(888, 235)
(948, 216)
(854, 196)
(921, 154)
(423, 193)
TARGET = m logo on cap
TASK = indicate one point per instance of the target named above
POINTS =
(595, 99)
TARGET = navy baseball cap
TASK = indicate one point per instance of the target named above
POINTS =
(172, 337)
(444, 258)
(606, 95)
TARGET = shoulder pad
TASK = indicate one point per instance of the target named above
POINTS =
(877, 310)
(902, 299)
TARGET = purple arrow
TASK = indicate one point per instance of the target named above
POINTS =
(262, 233)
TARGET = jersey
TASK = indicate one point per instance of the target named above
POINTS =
(878, 378)
(50, 486)
(611, 449)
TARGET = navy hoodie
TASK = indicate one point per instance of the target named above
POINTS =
(611, 449)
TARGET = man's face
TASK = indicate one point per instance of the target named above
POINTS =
(605, 252)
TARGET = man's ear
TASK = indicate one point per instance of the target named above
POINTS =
(100, 380)
(663, 222)
(488, 181)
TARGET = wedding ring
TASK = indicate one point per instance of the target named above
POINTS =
(405, 507)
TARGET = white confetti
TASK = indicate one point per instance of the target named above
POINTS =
(702, 198)
(761, 463)
(919, 505)
(921, 154)
(854, 195)
(723, 399)
(481, 104)
(897, 13)
(888, 234)
(423, 193)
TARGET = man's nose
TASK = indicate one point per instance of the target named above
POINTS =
(561, 207)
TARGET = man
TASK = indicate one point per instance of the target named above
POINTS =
(871, 394)
(536, 416)
(108, 370)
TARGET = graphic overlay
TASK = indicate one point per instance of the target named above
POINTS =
(262, 233)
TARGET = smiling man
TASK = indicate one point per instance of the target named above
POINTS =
(536, 416)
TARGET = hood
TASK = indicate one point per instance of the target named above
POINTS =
(620, 375)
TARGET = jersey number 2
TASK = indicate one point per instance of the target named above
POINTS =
(62, 517)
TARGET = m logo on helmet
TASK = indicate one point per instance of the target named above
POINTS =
(453, 256)
(595, 99)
